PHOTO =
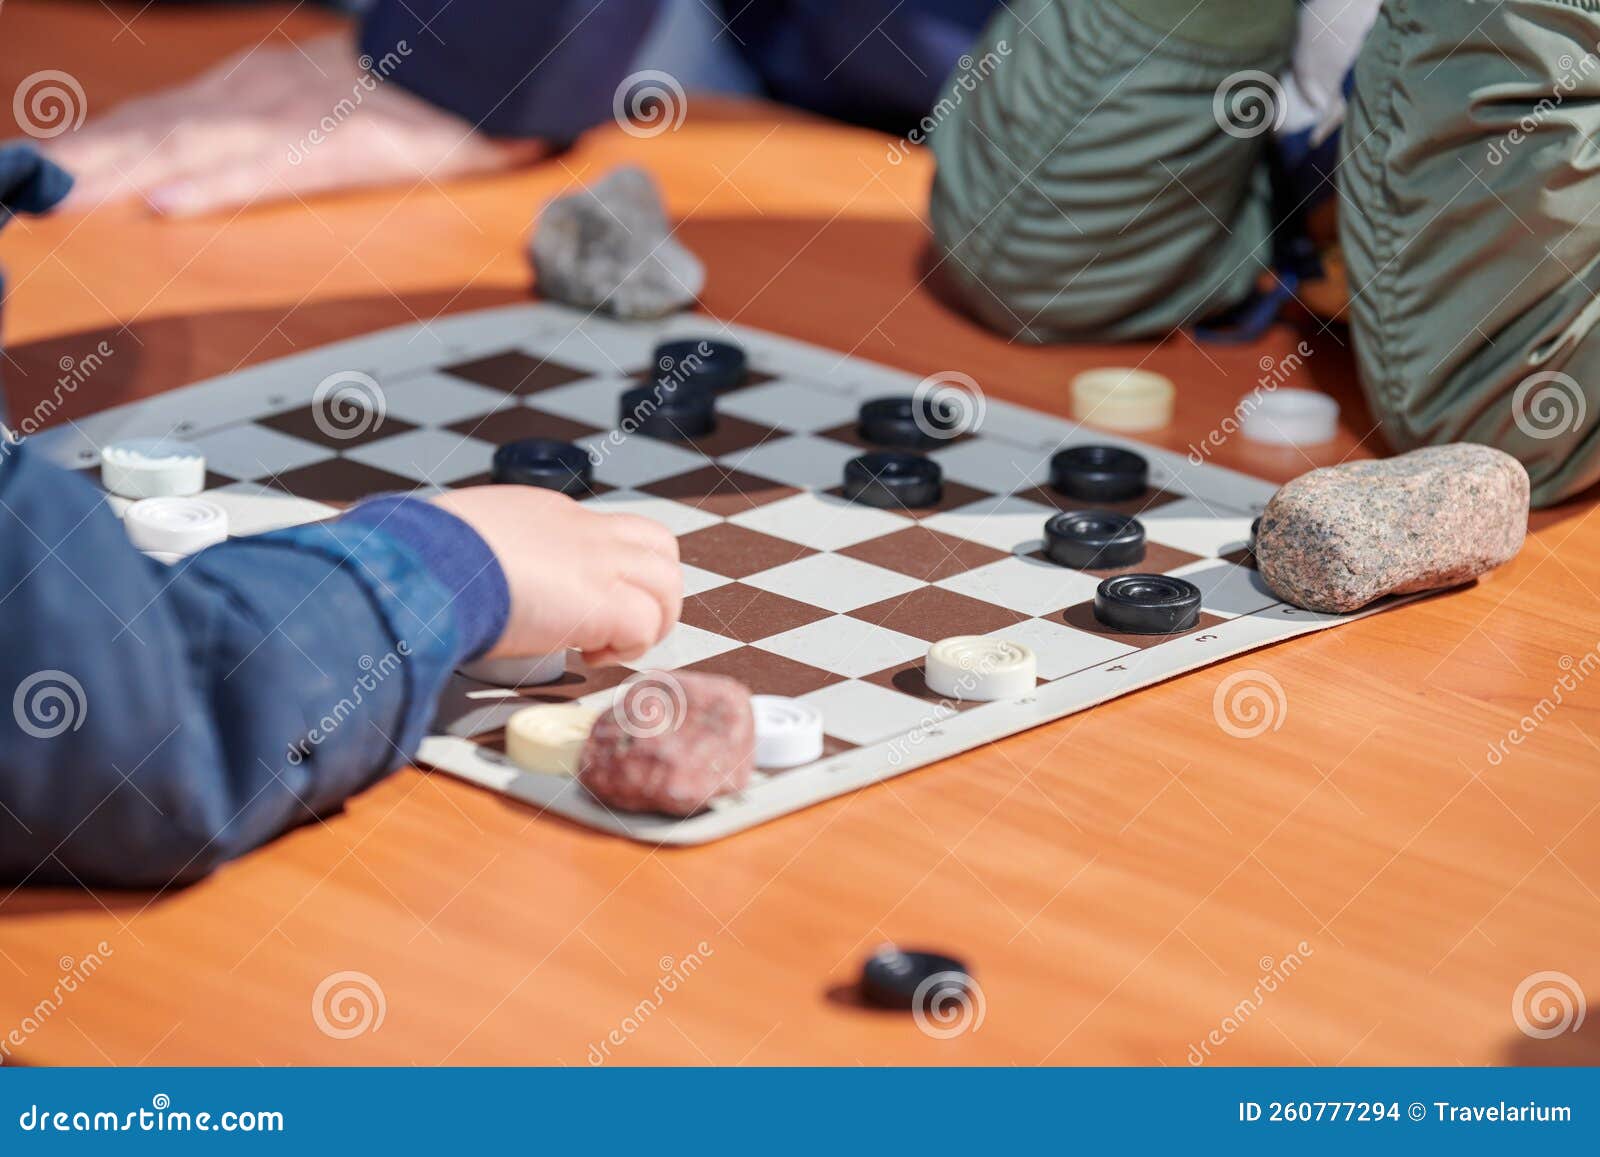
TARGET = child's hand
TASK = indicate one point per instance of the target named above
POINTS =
(606, 584)
(272, 123)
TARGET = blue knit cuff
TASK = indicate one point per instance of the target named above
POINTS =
(455, 555)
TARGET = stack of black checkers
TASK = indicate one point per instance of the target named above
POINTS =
(898, 476)
(1089, 539)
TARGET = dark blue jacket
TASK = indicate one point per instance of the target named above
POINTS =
(550, 68)
(155, 721)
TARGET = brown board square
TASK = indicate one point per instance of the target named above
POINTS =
(923, 554)
(729, 436)
(1050, 496)
(1081, 616)
(720, 491)
(734, 552)
(1159, 558)
(513, 423)
(933, 613)
(331, 426)
(765, 673)
(746, 613)
(340, 481)
(515, 372)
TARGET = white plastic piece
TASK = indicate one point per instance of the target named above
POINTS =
(1118, 398)
(549, 737)
(152, 468)
(979, 668)
(524, 671)
(165, 557)
(788, 732)
(1289, 417)
(175, 525)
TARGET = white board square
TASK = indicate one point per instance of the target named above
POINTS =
(697, 581)
(683, 646)
(592, 401)
(820, 521)
(833, 582)
(1060, 649)
(1226, 589)
(1004, 523)
(799, 460)
(1191, 525)
(788, 405)
(1032, 586)
(434, 399)
(249, 452)
(994, 465)
(634, 460)
(845, 645)
(866, 713)
(435, 456)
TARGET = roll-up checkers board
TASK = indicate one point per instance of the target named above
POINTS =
(836, 519)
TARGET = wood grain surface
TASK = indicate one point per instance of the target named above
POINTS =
(1120, 881)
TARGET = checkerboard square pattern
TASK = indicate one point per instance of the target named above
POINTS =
(789, 588)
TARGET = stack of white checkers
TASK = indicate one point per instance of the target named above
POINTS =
(549, 737)
(163, 477)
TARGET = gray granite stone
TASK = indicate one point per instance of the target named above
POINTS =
(1335, 539)
(610, 247)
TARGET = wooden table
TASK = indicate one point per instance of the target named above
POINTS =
(1120, 880)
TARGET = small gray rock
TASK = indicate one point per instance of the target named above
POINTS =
(1337, 538)
(609, 247)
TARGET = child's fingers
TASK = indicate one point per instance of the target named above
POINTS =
(661, 579)
(637, 622)
(644, 533)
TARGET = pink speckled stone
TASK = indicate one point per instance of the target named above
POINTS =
(1335, 539)
(673, 742)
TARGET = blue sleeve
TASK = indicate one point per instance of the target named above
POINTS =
(163, 720)
(547, 69)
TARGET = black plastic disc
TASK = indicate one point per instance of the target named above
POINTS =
(1099, 473)
(904, 421)
(908, 978)
(713, 366)
(671, 413)
(1094, 539)
(545, 463)
(1147, 604)
(1255, 529)
(891, 481)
